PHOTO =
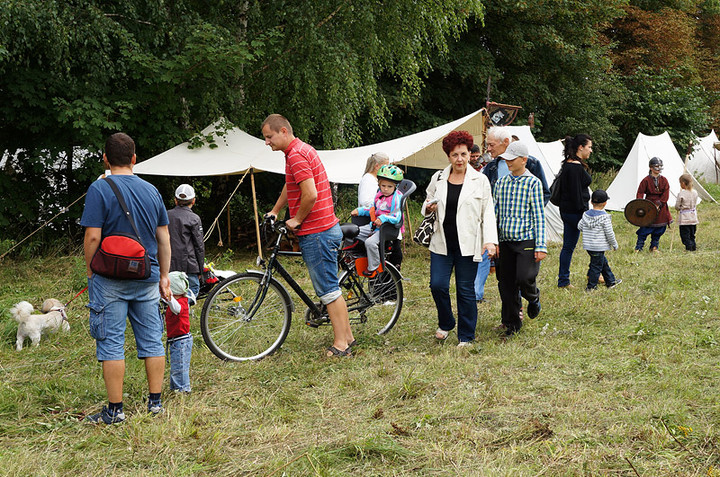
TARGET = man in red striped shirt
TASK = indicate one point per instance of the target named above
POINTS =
(312, 217)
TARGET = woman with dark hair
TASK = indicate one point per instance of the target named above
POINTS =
(574, 197)
(464, 228)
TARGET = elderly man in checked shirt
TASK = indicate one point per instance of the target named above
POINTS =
(520, 216)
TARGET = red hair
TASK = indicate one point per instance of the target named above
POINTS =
(456, 138)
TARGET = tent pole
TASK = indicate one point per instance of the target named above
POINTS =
(407, 215)
(257, 225)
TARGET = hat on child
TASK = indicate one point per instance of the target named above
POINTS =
(514, 150)
(179, 285)
(185, 192)
(599, 196)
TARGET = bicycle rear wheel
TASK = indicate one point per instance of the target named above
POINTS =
(377, 300)
(231, 333)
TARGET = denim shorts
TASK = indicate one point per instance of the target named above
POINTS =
(320, 252)
(111, 303)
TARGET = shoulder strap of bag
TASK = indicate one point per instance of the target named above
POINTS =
(124, 206)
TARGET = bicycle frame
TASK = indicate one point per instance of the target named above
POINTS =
(273, 265)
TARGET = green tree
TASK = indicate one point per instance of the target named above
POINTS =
(73, 71)
(657, 103)
(668, 67)
(548, 57)
(325, 70)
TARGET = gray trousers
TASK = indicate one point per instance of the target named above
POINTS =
(372, 245)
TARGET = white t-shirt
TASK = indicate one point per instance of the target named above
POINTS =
(367, 189)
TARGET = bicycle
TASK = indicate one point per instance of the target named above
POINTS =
(248, 316)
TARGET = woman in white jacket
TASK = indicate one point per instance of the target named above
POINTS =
(464, 228)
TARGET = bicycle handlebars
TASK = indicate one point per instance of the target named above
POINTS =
(277, 226)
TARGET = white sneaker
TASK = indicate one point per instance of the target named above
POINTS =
(464, 344)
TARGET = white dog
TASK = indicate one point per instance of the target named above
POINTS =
(33, 326)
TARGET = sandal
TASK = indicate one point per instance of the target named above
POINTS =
(441, 334)
(333, 352)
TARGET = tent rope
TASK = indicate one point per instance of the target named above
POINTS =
(62, 211)
(215, 222)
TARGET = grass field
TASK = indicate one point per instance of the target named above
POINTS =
(617, 382)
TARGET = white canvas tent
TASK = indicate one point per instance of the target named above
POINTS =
(554, 153)
(704, 162)
(239, 151)
(624, 188)
(553, 221)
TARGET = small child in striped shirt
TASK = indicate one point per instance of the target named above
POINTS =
(598, 237)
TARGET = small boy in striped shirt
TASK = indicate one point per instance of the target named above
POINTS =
(598, 237)
(520, 215)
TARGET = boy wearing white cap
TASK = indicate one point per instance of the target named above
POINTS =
(186, 238)
(520, 216)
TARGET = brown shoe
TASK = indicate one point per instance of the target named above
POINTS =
(569, 286)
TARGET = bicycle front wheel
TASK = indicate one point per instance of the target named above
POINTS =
(232, 331)
(377, 300)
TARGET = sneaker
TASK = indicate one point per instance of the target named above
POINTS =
(615, 283)
(155, 408)
(569, 286)
(464, 344)
(106, 416)
(533, 309)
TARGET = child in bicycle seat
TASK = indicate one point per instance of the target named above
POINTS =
(386, 209)
(179, 339)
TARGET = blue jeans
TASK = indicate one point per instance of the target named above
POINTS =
(194, 282)
(571, 234)
(656, 233)
(111, 303)
(599, 265)
(483, 271)
(180, 349)
(320, 251)
(441, 267)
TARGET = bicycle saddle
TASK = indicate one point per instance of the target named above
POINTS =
(349, 231)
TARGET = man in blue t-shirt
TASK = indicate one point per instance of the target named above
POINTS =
(112, 301)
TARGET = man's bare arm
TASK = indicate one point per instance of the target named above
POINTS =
(162, 235)
(91, 242)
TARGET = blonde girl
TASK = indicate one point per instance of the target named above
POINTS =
(687, 215)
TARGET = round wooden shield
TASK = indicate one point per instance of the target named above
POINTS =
(641, 212)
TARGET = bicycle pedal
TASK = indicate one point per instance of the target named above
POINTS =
(313, 324)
